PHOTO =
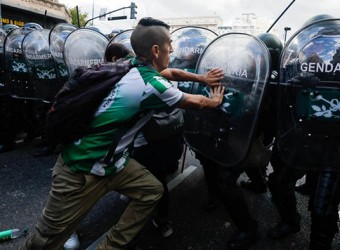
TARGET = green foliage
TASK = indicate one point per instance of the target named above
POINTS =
(82, 16)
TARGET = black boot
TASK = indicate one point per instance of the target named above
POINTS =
(321, 238)
(257, 181)
(283, 230)
(323, 230)
(242, 240)
(322, 243)
(246, 234)
(283, 196)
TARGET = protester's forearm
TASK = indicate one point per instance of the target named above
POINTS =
(201, 102)
(198, 102)
(182, 75)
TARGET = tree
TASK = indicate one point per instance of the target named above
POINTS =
(82, 17)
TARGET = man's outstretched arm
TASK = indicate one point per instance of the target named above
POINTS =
(202, 102)
(211, 78)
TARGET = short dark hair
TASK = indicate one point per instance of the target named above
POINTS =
(149, 21)
(148, 32)
(117, 50)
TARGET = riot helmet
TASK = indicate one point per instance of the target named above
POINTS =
(192, 32)
(317, 18)
(188, 44)
(32, 26)
(123, 38)
(115, 32)
(93, 28)
(274, 46)
(191, 44)
(9, 27)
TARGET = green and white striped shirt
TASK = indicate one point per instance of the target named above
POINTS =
(141, 90)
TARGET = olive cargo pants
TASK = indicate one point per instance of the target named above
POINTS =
(73, 195)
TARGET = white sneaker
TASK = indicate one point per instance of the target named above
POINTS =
(124, 198)
(72, 243)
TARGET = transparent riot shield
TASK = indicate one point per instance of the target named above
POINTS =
(57, 37)
(84, 47)
(123, 38)
(36, 50)
(224, 134)
(309, 97)
(188, 44)
(2, 65)
(18, 82)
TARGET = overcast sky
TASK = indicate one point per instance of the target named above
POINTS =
(295, 16)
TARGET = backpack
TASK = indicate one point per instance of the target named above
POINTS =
(75, 104)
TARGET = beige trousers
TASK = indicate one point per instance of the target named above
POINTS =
(73, 195)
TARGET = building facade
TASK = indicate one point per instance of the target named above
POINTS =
(251, 24)
(208, 22)
(247, 23)
(47, 13)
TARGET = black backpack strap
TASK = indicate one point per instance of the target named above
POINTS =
(122, 129)
(115, 141)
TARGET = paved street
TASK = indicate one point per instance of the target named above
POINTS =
(25, 182)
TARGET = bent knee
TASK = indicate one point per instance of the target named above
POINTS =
(159, 190)
(152, 194)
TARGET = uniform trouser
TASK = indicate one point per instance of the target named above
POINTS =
(311, 180)
(223, 181)
(41, 110)
(73, 195)
(16, 115)
(281, 183)
(323, 201)
(161, 158)
(323, 205)
(210, 174)
(8, 126)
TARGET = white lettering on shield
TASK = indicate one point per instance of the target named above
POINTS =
(228, 70)
(320, 67)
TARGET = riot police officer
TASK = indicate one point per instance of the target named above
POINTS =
(219, 150)
(307, 138)
(266, 124)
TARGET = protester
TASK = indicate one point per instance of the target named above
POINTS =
(116, 51)
(164, 144)
(79, 178)
(165, 151)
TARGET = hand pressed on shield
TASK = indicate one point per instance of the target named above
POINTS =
(217, 93)
(213, 77)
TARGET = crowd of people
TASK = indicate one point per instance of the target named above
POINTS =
(147, 91)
